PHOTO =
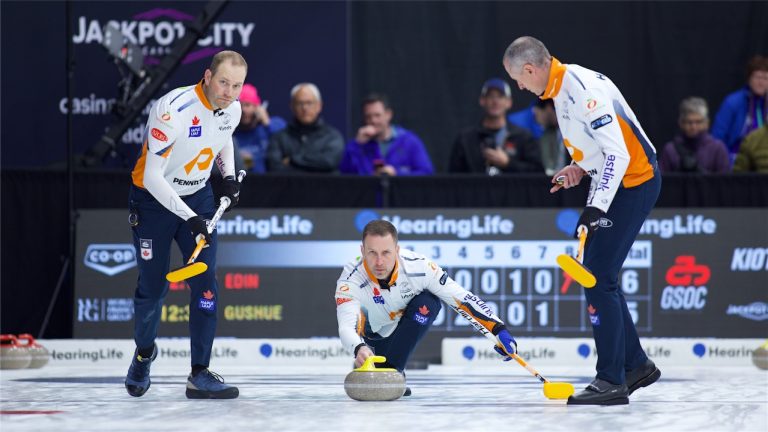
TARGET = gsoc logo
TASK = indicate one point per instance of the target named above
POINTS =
(110, 259)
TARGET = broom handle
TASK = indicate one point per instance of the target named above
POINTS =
(223, 204)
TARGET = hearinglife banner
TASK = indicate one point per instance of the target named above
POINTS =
(272, 36)
(697, 273)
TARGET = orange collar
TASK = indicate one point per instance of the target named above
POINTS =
(556, 73)
(375, 280)
(201, 95)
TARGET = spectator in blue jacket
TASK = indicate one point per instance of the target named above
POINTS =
(744, 110)
(252, 134)
(383, 148)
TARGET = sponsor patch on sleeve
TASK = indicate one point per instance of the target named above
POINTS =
(602, 121)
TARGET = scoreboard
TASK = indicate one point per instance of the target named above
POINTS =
(521, 282)
(690, 273)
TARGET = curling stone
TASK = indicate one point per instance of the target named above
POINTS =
(760, 356)
(369, 383)
(38, 352)
(13, 355)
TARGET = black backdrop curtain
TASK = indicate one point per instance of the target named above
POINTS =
(431, 58)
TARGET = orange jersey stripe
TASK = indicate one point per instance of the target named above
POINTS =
(361, 323)
(639, 170)
(138, 170)
(201, 95)
(556, 75)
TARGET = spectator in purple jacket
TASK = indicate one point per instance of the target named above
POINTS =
(694, 150)
(383, 148)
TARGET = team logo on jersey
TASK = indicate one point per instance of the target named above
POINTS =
(443, 278)
(344, 288)
(224, 118)
(591, 103)
(207, 302)
(341, 301)
(421, 316)
(195, 130)
(166, 116)
(159, 135)
(377, 298)
(602, 121)
(594, 318)
(146, 249)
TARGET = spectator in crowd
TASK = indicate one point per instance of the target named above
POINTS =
(553, 152)
(694, 149)
(526, 119)
(254, 131)
(495, 145)
(753, 153)
(745, 109)
(307, 144)
(383, 148)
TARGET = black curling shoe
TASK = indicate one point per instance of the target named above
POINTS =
(642, 376)
(601, 392)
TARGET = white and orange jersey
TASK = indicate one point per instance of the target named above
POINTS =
(600, 131)
(363, 307)
(184, 135)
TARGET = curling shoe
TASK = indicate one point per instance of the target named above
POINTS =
(137, 381)
(209, 385)
(601, 392)
(642, 376)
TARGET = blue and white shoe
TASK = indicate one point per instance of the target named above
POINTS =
(209, 385)
(137, 381)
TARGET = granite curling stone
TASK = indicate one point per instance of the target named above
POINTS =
(760, 357)
(369, 383)
(12, 354)
(38, 352)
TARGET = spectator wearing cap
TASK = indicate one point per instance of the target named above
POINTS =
(383, 148)
(694, 150)
(495, 145)
(308, 143)
(744, 110)
(256, 126)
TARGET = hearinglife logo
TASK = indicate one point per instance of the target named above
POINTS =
(463, 228)
(157, 30)
(110, 259)
(275, 225)
(679, 225)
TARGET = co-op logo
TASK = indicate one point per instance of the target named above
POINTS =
(110, 259)
(439, 225)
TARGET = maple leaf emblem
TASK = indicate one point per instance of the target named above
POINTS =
(591, 309)
(208, 295)
(195, 121)
(376, 291)
(145, 253)
(423, 310)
